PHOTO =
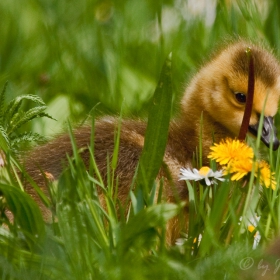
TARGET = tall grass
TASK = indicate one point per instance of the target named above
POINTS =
(109, 54)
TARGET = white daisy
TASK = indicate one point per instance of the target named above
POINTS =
(204, 173)
(253, 223)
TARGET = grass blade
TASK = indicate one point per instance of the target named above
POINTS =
(157, 130)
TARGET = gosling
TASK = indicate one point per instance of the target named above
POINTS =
(218, 91)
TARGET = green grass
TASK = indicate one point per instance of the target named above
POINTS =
(106, 57)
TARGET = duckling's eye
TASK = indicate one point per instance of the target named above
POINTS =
(240, 97)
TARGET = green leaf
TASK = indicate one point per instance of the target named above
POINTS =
(37, 112)
(149, 218)
(4, 140)
(2, 101)
(14, 105)
(215, 220)
(25, 211)
(11, 110)
(26, 137)
(157, 130)
(116, 145)
(34, 98)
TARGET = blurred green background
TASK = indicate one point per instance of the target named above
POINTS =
(107, 55)
(77, 54)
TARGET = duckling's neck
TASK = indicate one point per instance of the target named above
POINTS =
(186, 134)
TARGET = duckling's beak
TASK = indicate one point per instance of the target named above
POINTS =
(268, 132)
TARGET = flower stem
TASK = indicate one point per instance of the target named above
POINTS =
(244, 127)
(250, 97)
(238, 211)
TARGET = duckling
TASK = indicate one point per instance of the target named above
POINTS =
(217, 92)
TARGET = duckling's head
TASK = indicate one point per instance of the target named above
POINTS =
(219, 90)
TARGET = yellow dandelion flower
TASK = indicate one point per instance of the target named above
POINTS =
(240, 168)
(267, 178)
(229, 150)
(236, 159)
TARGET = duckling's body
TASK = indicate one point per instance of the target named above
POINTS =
(216, 93)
